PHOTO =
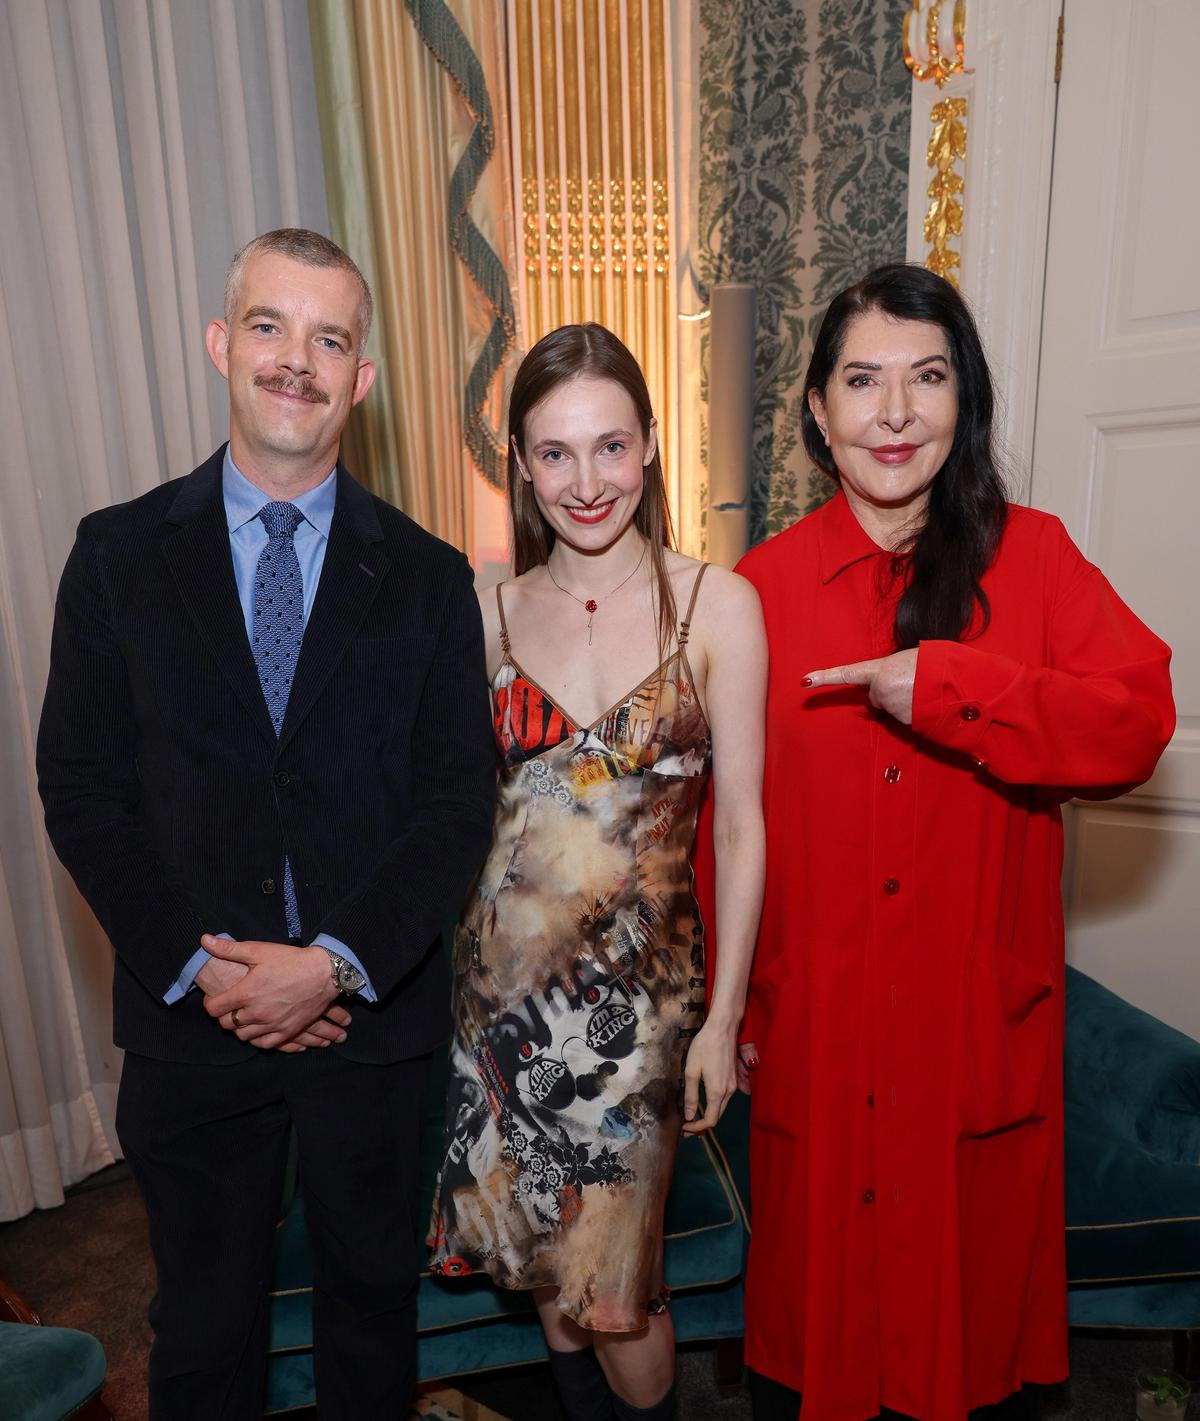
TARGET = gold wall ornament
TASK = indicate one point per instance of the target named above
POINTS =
(938, 66)
(944, 219)
(948, 133)
(589, 83)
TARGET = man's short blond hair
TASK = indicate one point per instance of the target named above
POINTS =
(308, 248)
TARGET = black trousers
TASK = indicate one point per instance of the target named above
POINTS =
(208, 1148)
(773, 1401)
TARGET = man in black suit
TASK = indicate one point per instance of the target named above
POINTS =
(265, 758)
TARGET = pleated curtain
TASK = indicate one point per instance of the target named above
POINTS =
(143, 141)
(396, 121)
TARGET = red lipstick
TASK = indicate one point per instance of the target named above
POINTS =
(597, 513)
(893, 453)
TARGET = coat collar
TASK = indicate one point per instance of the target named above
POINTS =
(843, 540)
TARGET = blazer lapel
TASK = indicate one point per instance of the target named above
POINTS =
(353, 571)
(198, 555)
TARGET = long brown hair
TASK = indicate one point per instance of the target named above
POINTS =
(566, 354)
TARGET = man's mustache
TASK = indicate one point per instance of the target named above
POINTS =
(302, 389)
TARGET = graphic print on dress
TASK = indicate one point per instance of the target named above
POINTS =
(579, 983)
(538, 1074)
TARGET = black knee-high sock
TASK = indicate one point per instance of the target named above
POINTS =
(581, 1384)
(663, 1410)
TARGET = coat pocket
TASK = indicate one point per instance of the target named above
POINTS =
(1005, 1042)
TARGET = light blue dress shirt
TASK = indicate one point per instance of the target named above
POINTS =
(247, 538)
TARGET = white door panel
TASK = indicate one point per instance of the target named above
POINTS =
(1117, 452)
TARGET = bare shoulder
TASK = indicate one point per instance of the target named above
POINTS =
(725, 597)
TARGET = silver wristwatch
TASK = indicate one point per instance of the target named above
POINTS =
(346, 977)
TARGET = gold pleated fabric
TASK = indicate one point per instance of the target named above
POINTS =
(392, 129)
(590, 82)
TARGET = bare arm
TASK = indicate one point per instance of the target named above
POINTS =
(736, 646)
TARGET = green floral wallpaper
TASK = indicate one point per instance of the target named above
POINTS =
(804, 120)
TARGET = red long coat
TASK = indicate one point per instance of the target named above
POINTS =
(906, 1154)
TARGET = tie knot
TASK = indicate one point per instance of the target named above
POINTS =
(280, 519)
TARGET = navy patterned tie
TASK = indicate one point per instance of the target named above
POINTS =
(278, 625)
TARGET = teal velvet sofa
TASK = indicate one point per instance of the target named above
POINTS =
(47, 1373)
(1133, 1165)
(467, 1325)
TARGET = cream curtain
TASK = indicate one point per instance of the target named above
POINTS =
(143, 141)
(396, 123)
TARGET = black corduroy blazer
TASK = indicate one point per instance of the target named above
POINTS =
(172, 803)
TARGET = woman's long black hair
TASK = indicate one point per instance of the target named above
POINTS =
(966, 511)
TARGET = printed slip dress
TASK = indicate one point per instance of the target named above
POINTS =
(578, 984)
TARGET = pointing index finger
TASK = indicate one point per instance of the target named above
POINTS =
(859, 673)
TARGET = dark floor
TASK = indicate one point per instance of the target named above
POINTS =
(87, 1265)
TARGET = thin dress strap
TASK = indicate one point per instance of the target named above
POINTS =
(505, 644)
(685, 626)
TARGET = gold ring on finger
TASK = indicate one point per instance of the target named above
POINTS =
(233, 1017)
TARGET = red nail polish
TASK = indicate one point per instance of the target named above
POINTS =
(752, 1064)
(807, 681)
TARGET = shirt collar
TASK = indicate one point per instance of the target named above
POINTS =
(843, 538)
(244, 499)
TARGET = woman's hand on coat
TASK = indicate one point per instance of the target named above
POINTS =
(711, 1060)
(747, 1064)
(889, 681)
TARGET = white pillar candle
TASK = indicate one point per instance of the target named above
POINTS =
(730, 420)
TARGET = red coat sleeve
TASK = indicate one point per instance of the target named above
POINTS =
(1096, 716)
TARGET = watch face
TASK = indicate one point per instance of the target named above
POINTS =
(350, 979)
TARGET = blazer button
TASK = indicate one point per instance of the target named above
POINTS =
(283, 778)
(969, 712)
(891, 886)
(268, 886)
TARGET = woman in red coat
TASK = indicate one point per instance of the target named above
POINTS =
(946, 670)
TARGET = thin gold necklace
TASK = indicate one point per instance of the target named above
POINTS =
(589, 604)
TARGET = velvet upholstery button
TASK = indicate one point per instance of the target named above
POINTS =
(868, 1196)
(891, 886)
(892, 774)
(969, 712)
(268, 886)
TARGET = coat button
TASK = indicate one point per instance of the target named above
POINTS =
(871, 1098)
(969, 712)
(268, 886)
(868, 1196)
(891, 886)
(892, 774)
(283, 778)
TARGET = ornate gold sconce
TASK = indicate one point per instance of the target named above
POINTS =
(948, 134)
(938, 66)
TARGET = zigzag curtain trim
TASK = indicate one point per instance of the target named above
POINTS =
(444, 38)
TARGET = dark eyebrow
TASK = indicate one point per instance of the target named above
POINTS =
(600, 439)
(867, 365)
(269, 313)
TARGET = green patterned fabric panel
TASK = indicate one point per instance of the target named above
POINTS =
(804, 124)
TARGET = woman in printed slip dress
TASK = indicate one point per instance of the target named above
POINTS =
(946, 670)
(581, 1044)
